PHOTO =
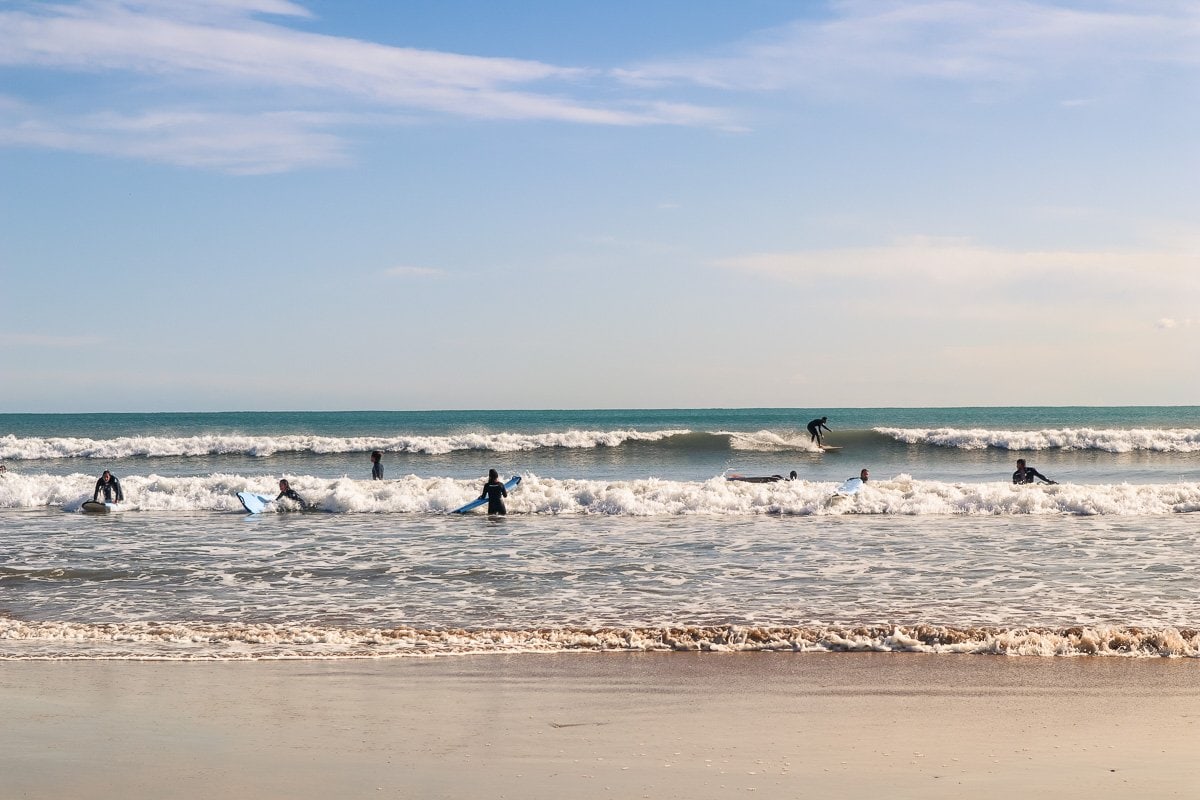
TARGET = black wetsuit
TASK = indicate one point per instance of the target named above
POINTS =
(290, 494)
(495, 492)
(109, 487)
(377, 471)
(814, 428)
(1028, 475)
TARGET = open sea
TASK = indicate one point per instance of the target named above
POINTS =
(625, 534)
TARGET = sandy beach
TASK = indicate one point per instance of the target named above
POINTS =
(604, 726)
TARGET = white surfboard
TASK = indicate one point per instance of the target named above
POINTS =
(96, 507)
(850, 487)
(254, 503)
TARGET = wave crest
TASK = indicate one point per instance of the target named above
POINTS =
(246, 641)
(1167, 440)
(13, 448)
(900, 495)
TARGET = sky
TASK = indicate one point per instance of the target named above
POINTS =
(463, 204)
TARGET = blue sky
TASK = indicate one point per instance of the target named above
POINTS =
(263, 204)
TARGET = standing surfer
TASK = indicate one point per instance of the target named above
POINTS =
(814, 429)
(376, 465)
(495, 493)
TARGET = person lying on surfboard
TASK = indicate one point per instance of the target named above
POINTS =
(814, 429)
(1026, 474)
(108, 484)
(761, 479)
(286, 490)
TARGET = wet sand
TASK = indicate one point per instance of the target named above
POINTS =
(604, 726)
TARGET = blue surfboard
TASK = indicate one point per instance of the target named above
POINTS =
(512, 484)
(849, 487)
(254, 503)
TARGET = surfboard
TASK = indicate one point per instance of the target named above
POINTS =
(830, 447)
(96, 507)
(254, 503)
(733, 476)
(850, 487)
(512, 484)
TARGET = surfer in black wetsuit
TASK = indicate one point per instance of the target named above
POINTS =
(1026, 474)
(376, 466)
(286, 490)
(495, 493)
(108, 484)
(764, 479)
(814, 429)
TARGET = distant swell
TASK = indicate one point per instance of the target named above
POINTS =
(898, 495)
(18, 449)
(1180, 440)
(240, 642)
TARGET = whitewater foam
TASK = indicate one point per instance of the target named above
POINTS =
(13, 448)
(1175, 440)
(58, 640)
(412, 494)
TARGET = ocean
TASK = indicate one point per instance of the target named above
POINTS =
(625, 534)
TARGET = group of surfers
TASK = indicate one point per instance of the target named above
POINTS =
(493, 490)
(1024, 473)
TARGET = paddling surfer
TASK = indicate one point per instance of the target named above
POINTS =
(108, 484)
(1026, 474)
(286, 490)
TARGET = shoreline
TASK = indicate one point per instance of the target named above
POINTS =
(603, 725)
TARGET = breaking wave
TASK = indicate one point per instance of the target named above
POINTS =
(247, 642)
(1167, 440)
(13, 448)
(900, 495)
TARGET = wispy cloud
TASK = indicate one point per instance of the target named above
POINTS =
(1168, 323)
(47, 340)
(234, 143)
(224, 56)
(955, 276)
(864, 43)
(414, 272)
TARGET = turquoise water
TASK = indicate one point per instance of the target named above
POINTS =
(624, 533)
(1105, 444)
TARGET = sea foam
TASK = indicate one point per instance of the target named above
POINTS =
(13, 448)
(192, 641)
(1174, 440)
(412, 494)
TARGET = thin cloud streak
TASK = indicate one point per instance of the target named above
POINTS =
(872, 42)
(49, 341)
(168, 40)
(959, 277)
(414, 272)
(247, 144)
